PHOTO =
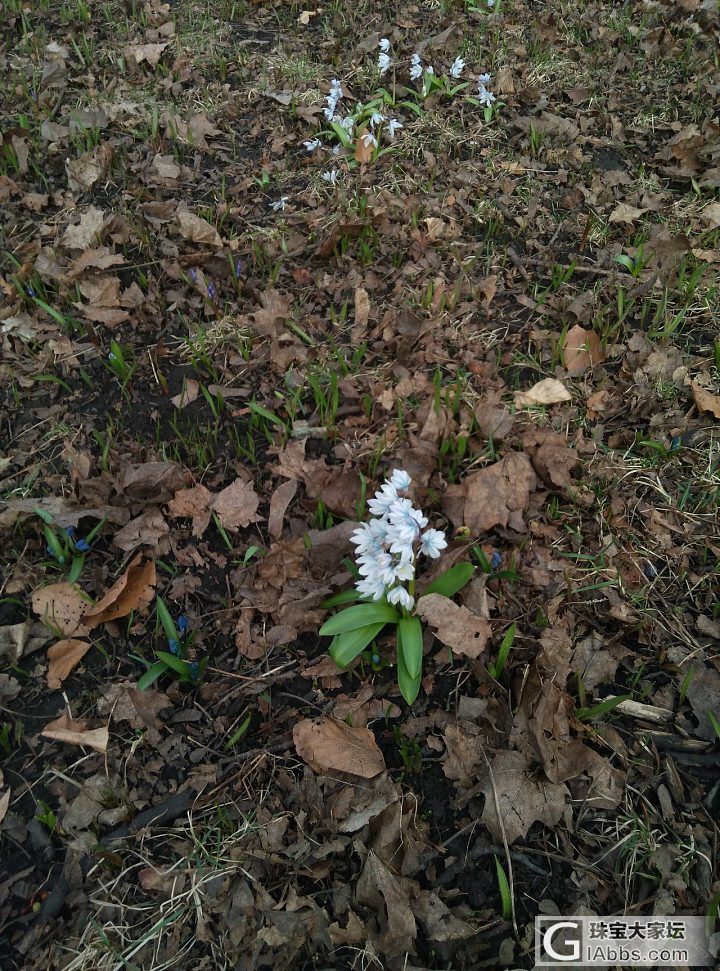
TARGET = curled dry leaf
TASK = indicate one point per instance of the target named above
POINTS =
(194, 504)
(549, 391)
(66, 729)
(63, 658)
(61, 606)
(196, 229)
(705, 401)
(332, 745)
(17, 640)
(133, 589)
(581, 349)
(455, 626)
(281, 499)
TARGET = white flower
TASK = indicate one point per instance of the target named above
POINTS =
(433, 543)
(384, 498)
(330, 177)
(406, 523)
(491, 4)
(384, 63)
(384, 45)
(376, 118)
(392, 127)
(280, 204)
(371, 588)
(485, 97)
(337, 149)
(329, 112)
(404, 570)
(416, 70)
(369, 139)
(348, 124)
(457, 67)
(484, 79)
(400, 479)
(429, 69)
(399, 595)
(335, 89)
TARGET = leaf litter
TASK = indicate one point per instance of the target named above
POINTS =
(514, 300)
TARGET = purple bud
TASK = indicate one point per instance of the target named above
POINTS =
(193, 274)
(238, 268)
(211, 291)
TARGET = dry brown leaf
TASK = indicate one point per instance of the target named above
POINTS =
(82, 173)
(386, 896)
(4, 801)
(362, 307)
(523, 795)
(63, 657)
(705, 401)
(133, 589)
(279, 502)
(551, 458)
(61, 606)
(624, 213)
(65, 729)
(331, 745)
(495, 496)
(196, 229)
(147, 529)
(455, 626)
(363, 147)
(137, 53)
(236, 505)
(86, 232)
(151, 481)
(581, 349)
(549, 391)
(711, 215)
(18, 640)
(194, 504)
(189, 393)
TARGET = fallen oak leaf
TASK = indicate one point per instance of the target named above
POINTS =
(64, 656)
(455, 626)
(332, 745)
(135, 587)
(66, 729)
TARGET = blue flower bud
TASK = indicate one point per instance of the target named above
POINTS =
(182, 623)
(375, 658)
(193, 274)
(82, 546)
(194, 669)
(29, 290)
(211, 291)
(495, 560)
(649, 570)
(70, 531)
(238, 268)
(675, 443)
(173, 646)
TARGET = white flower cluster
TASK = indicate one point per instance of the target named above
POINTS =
(387, 546)
(485, 97)
(332, 99)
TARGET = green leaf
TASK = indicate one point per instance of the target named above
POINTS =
(338, 599)
(78, 562)
(360, 616)
(409, 687)
(504, 888)
(410, 644)
(452, 580)
(264, 413)
(44, 515)
(346, 647)
(174, 663)
(151, 675)
(167, 622)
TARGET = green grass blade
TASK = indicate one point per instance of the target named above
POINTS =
(410, 645)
